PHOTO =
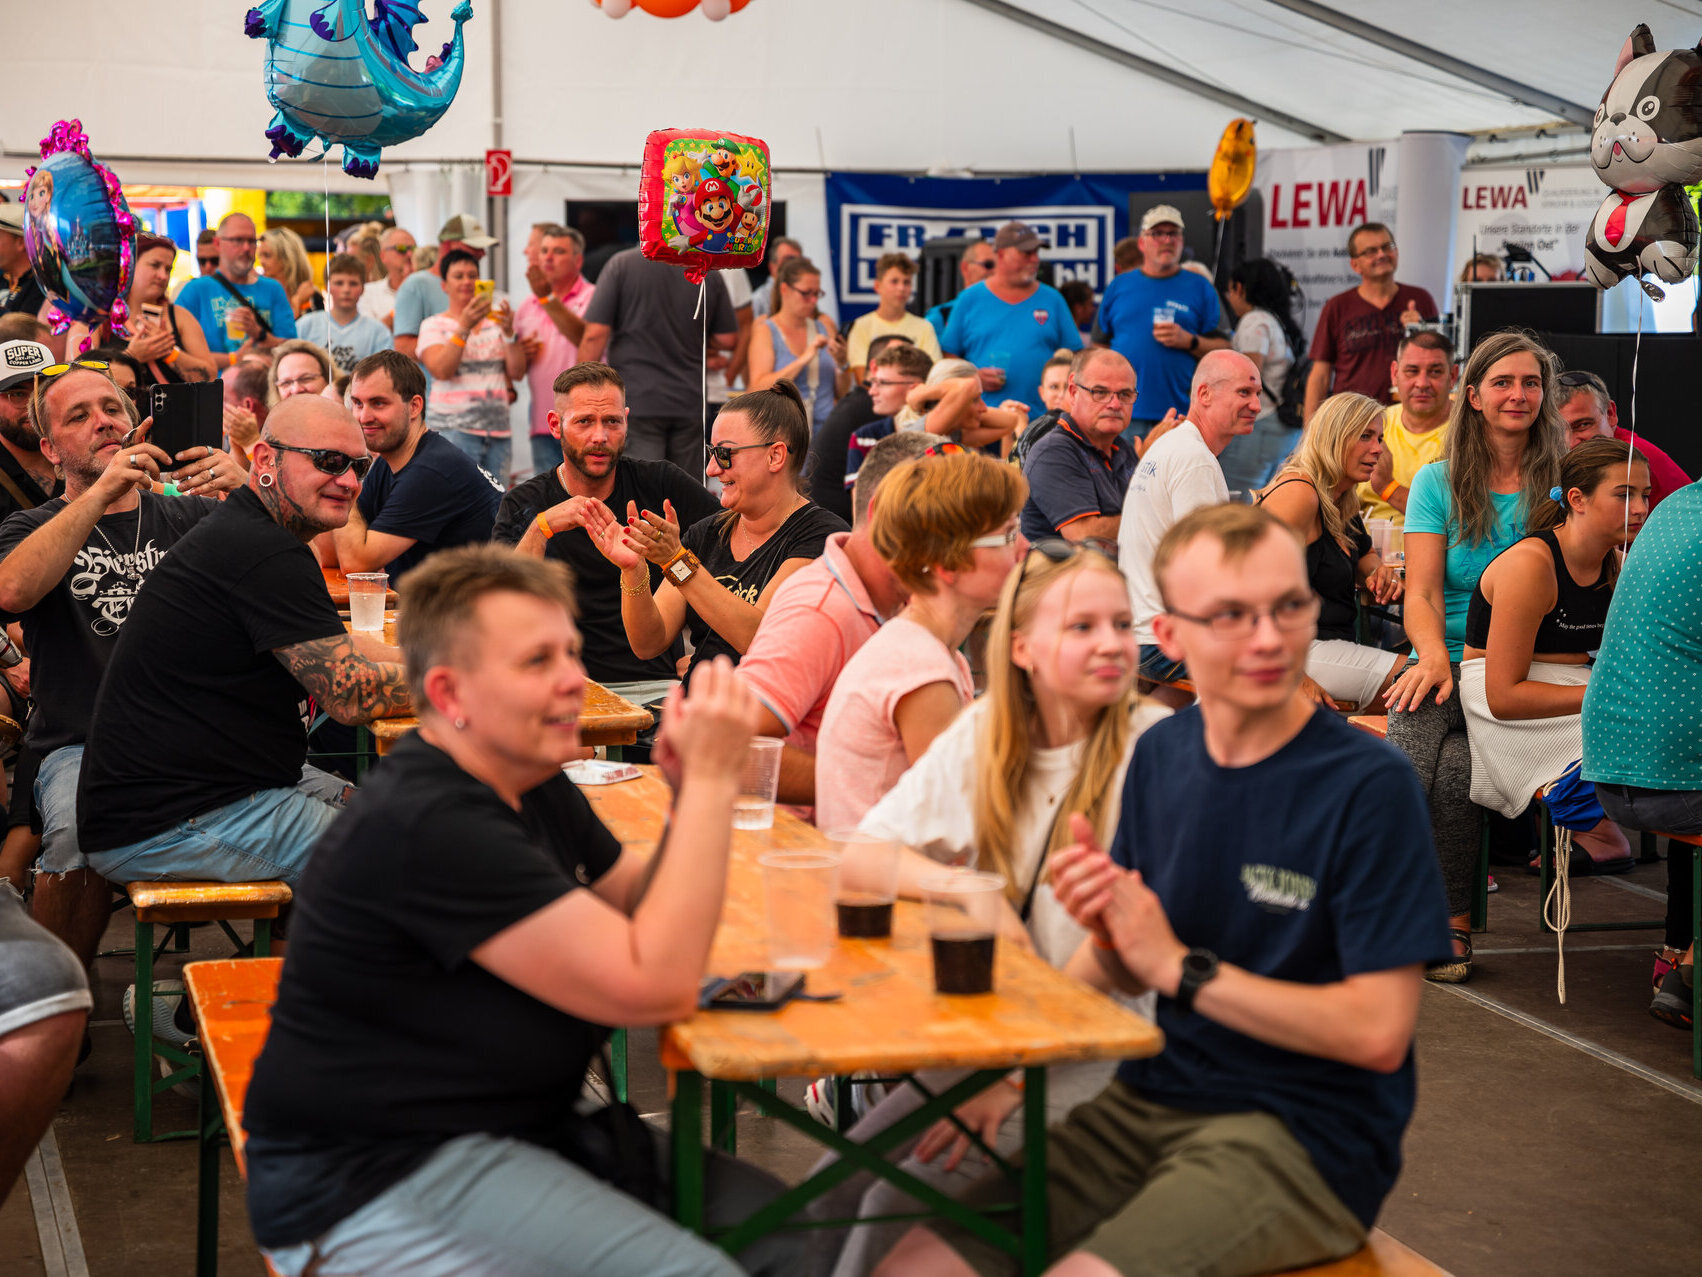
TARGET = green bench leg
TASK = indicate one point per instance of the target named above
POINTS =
(207, 1185)
(617, 1063)
(723, 1118)
(1480, 891)
(687, 1139)
(1034, 1215)
(142, 1112)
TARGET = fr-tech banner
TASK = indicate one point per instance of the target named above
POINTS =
(1545, 211)
(1314, 196)
(1082, 216)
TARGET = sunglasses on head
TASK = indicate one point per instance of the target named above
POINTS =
(327, 460)
(945, 450)
(1058, 550)
(1572, 380)
(722, 453)
(59, 370)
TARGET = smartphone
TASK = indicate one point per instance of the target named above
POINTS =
(750, 991)
(187, 414)
(152, 313)
(484, 287)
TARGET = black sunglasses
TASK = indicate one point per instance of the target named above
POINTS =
(327, 460)
(722, 453)
(1572, 380)
(1058, 550)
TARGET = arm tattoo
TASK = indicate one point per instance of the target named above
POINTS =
(350, 687)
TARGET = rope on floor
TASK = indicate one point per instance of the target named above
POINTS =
(1557, 908)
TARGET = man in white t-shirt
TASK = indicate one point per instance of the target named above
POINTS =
(1177, 474)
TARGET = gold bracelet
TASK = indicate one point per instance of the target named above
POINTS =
(635, 590)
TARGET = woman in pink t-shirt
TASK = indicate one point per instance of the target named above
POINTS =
(946, 524)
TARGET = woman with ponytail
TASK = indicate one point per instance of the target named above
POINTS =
(1053, 735)
(1536, 615)
(718, 578)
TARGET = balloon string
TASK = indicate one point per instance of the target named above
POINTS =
(325, 166)
(703, 378)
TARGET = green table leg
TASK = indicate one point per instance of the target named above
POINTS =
(617, 1063)
(686, 1135)
(1034, 1217)
(723, 1119)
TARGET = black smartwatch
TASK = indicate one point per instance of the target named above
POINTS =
(1198, 966)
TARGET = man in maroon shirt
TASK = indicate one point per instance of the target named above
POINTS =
(1589, 412)
(1360, 330)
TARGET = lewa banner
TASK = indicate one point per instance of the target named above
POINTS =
(1313, 196)
(1083, 217)
(1544, 211)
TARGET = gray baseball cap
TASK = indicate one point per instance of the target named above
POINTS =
(21, 360)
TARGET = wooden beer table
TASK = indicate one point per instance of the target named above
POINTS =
(607, 719)
(889, 1019)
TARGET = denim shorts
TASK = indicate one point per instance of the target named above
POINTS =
(56, 800)
(39, 976)
(1159, 667)
(268, 834)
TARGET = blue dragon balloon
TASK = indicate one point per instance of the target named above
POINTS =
(337, 75)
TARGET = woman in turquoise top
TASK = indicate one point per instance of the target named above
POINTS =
(1505, 441)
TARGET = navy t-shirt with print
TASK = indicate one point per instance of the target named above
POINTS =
(441, 499)
(1312, 865)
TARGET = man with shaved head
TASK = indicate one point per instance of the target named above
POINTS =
(69, 571)
(195, 763)
(1077, 473)
(1177, 474)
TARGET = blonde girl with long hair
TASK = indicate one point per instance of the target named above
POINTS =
(1505, 442)
(1315, 494)
(282, 255)
(1052, 735)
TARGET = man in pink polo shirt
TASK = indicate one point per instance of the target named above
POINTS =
(552, 320)
(819, 618)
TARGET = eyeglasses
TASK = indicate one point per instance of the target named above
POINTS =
(312, 381)
(893, 381)
(808, 294)
(722, 453)
(59, 370)
(328, 460)
(1099, 394)
(995, 540)
(982, 263)
(1156, 233)
(1232, 621)
(238, 239)
(1375, 249)
(945, 450)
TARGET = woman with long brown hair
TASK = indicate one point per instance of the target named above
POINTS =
(1505, 442)
(1053, 735)
(794, 342)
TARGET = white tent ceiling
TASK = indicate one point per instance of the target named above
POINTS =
(890, 85)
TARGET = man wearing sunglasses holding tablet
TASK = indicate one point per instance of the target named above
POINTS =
(194, 766)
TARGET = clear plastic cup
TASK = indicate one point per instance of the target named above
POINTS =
(754, 806)
(366, 601)
(868, 883)
(800, 886)
(963, 926)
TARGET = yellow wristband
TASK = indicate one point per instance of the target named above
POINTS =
(1389, 491)
(544, 526)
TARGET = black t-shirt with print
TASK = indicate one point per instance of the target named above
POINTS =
(609, 656)
(387, 1039)
(71, 632)
(196, 710)
(803, 536)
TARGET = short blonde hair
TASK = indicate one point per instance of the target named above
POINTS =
(927, 511)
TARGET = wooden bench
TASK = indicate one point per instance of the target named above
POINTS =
(1381, 1256)
(174, 903)
(232, 1000)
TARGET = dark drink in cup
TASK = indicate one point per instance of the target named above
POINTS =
(963, 963)
(864, 917)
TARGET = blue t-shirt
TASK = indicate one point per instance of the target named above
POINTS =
(1643, 706)
(1068, 478)
(1127, 311)
(348, 344)
(207, 299)
(440, 499)
(1430, 508)
(1311, 865)
(1020, 339)
(419, 298)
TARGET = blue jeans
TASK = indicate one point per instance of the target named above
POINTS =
(268, 834)
(489, 452)
(56, 800)
(488, 1204)
(1159, 667)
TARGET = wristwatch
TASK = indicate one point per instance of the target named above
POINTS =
(1193, 343)
(682, 567)
(1198, 966)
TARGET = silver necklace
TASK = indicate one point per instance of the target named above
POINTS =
(135, 573)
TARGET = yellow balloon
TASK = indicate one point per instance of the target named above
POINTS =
(1231, 176)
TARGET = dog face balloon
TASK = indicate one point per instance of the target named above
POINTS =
(703, 199)
(1647, 146)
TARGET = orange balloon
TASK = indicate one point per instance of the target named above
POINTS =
(739, 4)
(667, 8)
(1231, 175)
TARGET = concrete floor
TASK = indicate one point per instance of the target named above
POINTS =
(1548, 1139)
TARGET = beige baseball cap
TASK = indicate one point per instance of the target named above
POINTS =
(1159, 214)
(466, 229)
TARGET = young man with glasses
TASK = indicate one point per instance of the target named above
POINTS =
(1078, 473)
(197, 768)
(1287, 961)
(1359, 331)
(70, 570)
(239, 312)
(1589, 412)
(825, 471)
(1162, 319)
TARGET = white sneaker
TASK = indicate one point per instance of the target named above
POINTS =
(171, 1015)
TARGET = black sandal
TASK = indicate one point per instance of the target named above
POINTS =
(1456, 970)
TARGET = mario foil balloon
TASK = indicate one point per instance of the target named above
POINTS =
(78, 231)
(703, 200)
(1647, 146)
(337, 75)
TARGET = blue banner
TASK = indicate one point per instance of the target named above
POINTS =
(1083, 216)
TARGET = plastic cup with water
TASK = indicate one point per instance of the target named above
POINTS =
(366, 601)
(754, 806)
(800, 887)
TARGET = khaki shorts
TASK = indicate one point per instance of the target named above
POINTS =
(1150, 1189)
